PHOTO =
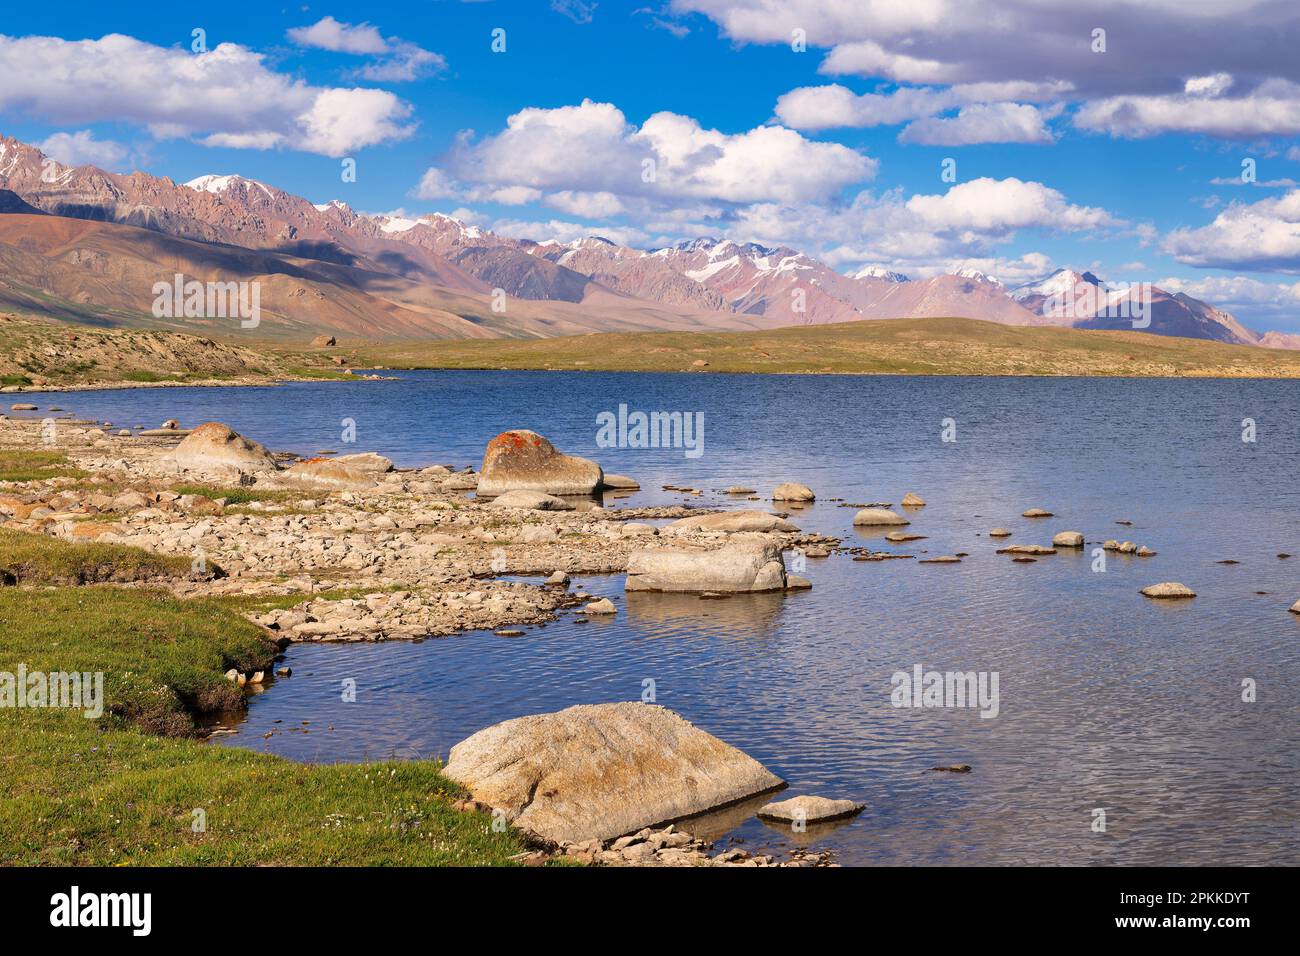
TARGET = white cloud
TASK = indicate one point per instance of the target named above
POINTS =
(329, 34)
(401, 61)
(436, 184)
(1213, 85)
(564, 231)
(588, 205)
(592, 147)
(1258, 236)
(868, 58)
(226, 96)
(81, 148)
(996, 206)
(1272, 108)
(982, 123)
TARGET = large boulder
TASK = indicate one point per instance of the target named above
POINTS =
(214, 447)
(524, 460)
(793, 491)
(740, 566)
(329, 473)
(730, 521)
(598, 771)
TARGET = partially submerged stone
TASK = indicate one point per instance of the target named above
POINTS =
(878, 517)
(913, 500)
(731, 521)
(810, 809)
(599, 771)
(602, 606)
(1067, 539)
(740, 566)
(523, 460)
(1036, 513)
(621, 483)
(999, 533)
(217, 447)
(1168, 589)
(1027, 549)
(793, 491)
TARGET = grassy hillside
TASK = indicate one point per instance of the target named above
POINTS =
(941, 346)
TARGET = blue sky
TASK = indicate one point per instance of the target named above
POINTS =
(1126, 160)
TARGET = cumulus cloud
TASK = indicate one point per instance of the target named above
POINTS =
(588, 205)
(1257, 236)
(436, 184)
(592, 147)
(925, 233)
(833, 105)
(1168, 66)
(329, 34)
(982, 123)
(1272, 108)
(399, 60)
(224, 97)
(82, 148)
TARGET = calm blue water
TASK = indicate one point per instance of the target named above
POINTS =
(1107, 700)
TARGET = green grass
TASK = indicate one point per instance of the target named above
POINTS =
(18, 466)
(9, 380)
(144, 376)
(123, 789)
(236, 495)
(328, 374)
(39, 559)
(934, 346)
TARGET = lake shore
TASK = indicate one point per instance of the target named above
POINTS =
(398, 554)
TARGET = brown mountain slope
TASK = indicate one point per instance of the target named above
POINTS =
(102, 273)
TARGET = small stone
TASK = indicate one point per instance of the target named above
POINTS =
(603, 606)
(558, 578)
(284, 672)
(809, 809)
(1168, 589)
(1067, 539)
(913, 500)
(794, 582)
(878, 517)
(999, 533)
(955, 768)
(1036, 513)
(509, 632)
(941, 559)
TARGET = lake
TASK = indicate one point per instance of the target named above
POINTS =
(1107, 701)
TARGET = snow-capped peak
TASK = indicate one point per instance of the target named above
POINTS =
(976, 276)
(332, 204)
(879, 272)
(219, 184)
(1060, 282)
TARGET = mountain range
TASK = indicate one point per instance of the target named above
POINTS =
(86, 245)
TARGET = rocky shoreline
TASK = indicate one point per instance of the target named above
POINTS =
(416, 552)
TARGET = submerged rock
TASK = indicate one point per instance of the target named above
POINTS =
(742, 566)
(913, 500)
(603, 770)
(810, 809)
(524, 460)
(1036, 513)
(621, 483)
